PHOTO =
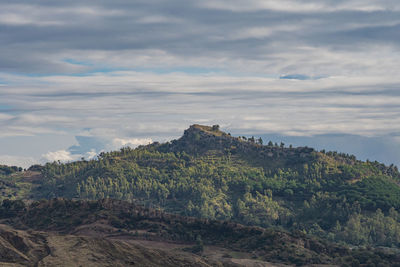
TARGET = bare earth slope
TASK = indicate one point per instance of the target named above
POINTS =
(32, 248)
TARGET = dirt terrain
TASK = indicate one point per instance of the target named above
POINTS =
(35, 248)
(31, 248)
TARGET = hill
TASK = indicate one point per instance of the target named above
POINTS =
(208, 173)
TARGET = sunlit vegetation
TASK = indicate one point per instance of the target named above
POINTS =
(209, 174)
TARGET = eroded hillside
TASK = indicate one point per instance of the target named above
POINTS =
(115, 233)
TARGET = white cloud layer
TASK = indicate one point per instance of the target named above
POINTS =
(127, 73)
(65, 156)
(20, 161)
(130, 142)
(60, 155)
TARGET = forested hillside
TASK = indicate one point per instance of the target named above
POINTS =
(210, 174)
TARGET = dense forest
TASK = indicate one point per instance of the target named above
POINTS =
(208, 173)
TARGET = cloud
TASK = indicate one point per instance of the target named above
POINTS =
(145, 70)
(150, 105)
(169, 34)
(131, 142)
(90, 154)
(66, 156)
(301, 6)
(20, 161)
(60, 155)
(89, 147)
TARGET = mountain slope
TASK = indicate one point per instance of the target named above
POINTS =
(209, 174)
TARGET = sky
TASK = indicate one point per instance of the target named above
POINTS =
(80, 77)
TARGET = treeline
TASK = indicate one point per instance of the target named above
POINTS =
(7, 170)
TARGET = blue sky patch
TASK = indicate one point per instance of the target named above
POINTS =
(5, 107)
(78, 62)
(295, 77)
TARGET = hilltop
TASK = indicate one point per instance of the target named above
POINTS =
(210, 174)
(202, 140)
